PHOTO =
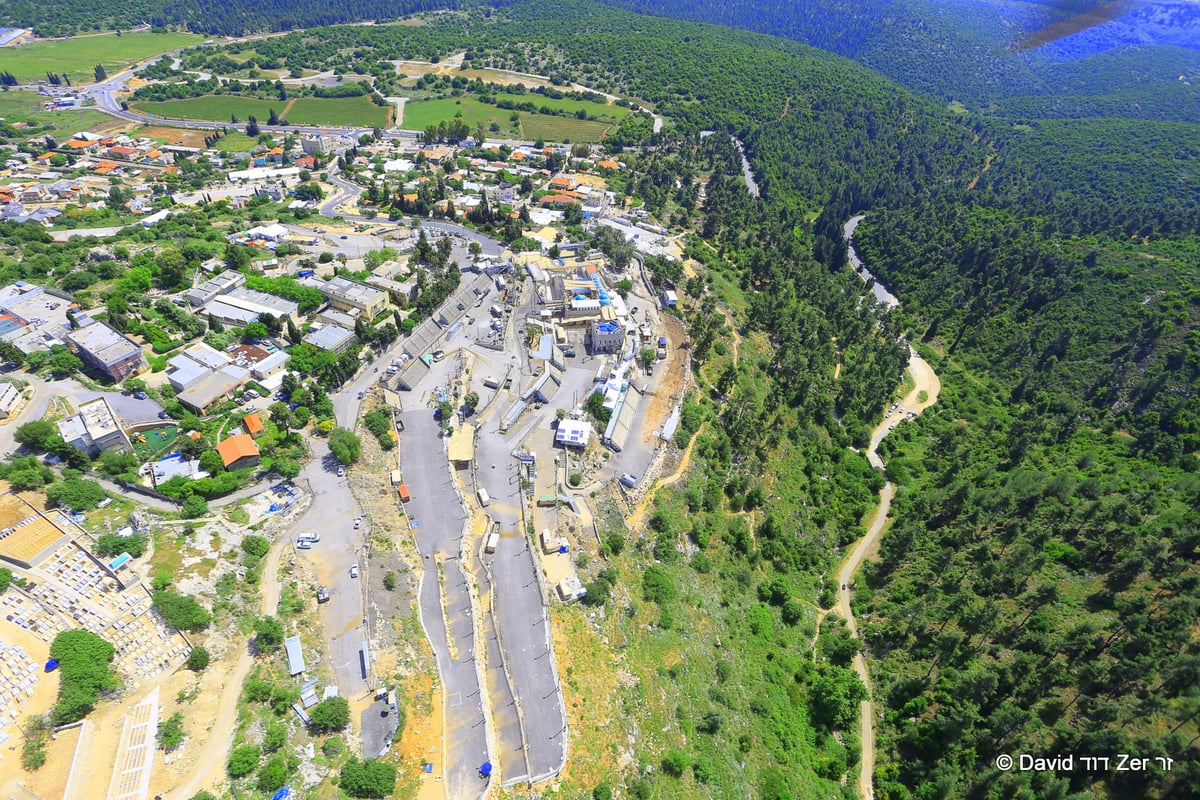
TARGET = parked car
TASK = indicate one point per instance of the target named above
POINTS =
(140, 395)
(322, 594)
(361, 395)
(163, 415)
(354, 571)
(303, 544)
(358, 522)
(628, 480)
(341, 472)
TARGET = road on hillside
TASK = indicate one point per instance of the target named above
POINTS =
(924, 393)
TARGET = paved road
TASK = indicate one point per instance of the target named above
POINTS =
(342, 618)
(437, 520)
(521, 616)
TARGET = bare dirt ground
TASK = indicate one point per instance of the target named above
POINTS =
(175, 136)
(671, 385)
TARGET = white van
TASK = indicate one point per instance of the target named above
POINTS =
(491, 543)
(483, 497)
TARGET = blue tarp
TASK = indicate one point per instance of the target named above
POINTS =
(282, 794)
(429, 767)
(486, 769)
(52, 665)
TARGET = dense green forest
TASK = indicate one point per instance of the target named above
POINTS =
(966, 51)
(223, 17)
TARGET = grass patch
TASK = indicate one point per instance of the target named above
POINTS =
(155, 441)
(418, 114)
(562, 129)
(603, 110)
(350, 111)
(78, 56)
(16, 106)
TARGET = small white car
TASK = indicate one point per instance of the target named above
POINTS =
(354, 571)
(341, 472)
(358, 522)
(304, 544)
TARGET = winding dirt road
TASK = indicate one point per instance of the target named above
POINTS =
(925, 380)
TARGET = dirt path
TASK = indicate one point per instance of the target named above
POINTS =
(787, 106)
(925, 380)
(209, 762)
(287, 108)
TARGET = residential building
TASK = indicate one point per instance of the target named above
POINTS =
(94, 428)
(254, 425)
(107, 350)
(217, 285)
(331, 337)
(238, 451)
(269, 233)
(271, 365)
(344, 294)
(212, 388)
(241, 303)
(10, 398)
(403, 292)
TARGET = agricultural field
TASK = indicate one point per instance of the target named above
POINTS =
(357, 112)
(602, 110)
(214, 108)
(418, 114)
(78, 56)
(16, 106)
(562, 129)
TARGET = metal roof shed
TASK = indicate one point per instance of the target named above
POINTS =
(295, 655)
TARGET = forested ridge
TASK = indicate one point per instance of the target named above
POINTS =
(221, 17)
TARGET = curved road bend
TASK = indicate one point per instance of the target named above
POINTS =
(926, 380)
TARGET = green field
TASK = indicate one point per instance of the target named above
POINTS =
(562, 129)
(348, 111)
(419, 114)
(26, 107)
(77, 57)
(602, 110)
(214, 108)
(358, 112)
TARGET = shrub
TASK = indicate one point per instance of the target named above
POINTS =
(268, 634)
(170, 733)
(674, 763)
(198, 659)
(657, 585)
(243, 760)
(367, 778)
(193, 506)
(110, 544)
(330, 715)
(181, 611)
